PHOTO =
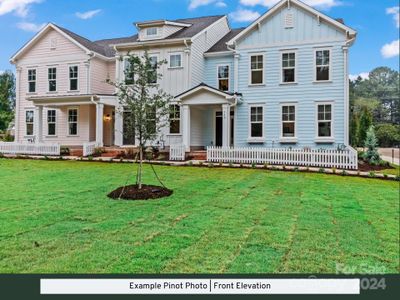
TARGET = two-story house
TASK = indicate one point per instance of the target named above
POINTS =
(280, 82)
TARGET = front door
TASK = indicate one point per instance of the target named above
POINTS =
(218, 129)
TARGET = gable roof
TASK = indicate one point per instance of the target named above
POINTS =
(203, 86)
(335, 22)
(221, 45)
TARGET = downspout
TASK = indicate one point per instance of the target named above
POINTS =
(346, 91)
(188, 65)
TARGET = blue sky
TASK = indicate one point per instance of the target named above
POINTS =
(377, 21)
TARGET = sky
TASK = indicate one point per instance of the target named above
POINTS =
(376, 21)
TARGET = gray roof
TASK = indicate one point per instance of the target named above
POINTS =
(220, 46)
(103, 46)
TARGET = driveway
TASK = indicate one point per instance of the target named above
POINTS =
(387, 154)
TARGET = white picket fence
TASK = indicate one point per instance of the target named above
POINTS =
(29, 148)
(177, 152)
(346, 159)
(89, 148)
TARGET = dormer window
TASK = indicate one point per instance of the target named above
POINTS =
(152, 31)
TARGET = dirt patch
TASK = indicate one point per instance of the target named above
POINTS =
(366, 167)
(147, 192)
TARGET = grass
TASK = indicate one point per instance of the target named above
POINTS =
(395, 171)
(56, 218)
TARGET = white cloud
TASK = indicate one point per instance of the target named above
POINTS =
(20, 7)
(391, 49)
(88, 14)
(323, 4)
(363, 75)
(395, 11)
(244, 15)
(31, 27)
(197, 3)
(1, 72)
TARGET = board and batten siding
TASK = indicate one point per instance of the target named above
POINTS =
(100, 71)
(201, 44)
(304, 38)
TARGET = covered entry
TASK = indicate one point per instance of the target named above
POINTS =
(207, 116)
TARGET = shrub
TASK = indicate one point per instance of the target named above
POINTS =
(266, 166)
(99, 151)
(8, 138)
(211, 165)
(200, 163)
(220, 164)
(397, 178)
(90, 157)
(230, 164)
(388, 135)
(372, 174)
(65, 151)
(296, 169)
(253, 165)
(344, 173)
(190, 163)
(371, 155)
(284, 167)
(1, 155)
(334, 170)
(321, 170)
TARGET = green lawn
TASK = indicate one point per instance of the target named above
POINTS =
(395, 171)
(56, 218)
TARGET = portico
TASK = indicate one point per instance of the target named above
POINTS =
(207, 117)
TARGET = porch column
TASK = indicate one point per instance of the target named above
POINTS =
(38, 121)
(226, 124)
(99, 123)
(185, 127)
(118, 127)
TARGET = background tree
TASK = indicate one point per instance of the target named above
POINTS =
(144, 105)
(7, 99)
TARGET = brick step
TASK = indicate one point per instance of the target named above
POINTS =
(198, 155)
(76, 152)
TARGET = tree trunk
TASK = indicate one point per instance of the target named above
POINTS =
(140, 167)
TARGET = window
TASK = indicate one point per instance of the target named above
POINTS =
(73, 121)
(152, 31)
(73, 78)
(151, 119)
(128, 72)
(153, 75)
(322, 63)
(51, 122)
(128, 128)
(32, 81)
(288, 121)
(324, 120)
(223, 78)
(29, 118)
(175, 60)
(52, 79)
(174, 119)
(256, 122)
(288, 67)
(257, 69)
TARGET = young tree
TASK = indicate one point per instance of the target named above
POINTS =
(145, 106)
(7, 99)
(371, 142)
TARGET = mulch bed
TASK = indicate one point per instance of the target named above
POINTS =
(366, 167)
(147, 192)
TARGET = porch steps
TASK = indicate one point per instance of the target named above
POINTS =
(198, 155)
(76, 152)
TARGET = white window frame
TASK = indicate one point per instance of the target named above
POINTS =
(123, 75)
(169, 62)
(329, 139)
(157, 56)
(228, 78)
(29, 81)
(48, 80)
(33, 123)
(174, 119)
(263, 69)
(315, 65)
(48, 123)
(77, 78)
(154, 34)
(283, 68)
(261, 139)
(77, 121)
(287, 139)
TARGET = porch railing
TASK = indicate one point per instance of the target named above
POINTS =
(29, 148)
(89, 148)
(342, 159)
(177, 152)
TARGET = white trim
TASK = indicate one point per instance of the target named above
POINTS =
(147, 24)
(228, 78)
(157, 56)
(288, 139)
(275, 8)
(219, 53)
(250, 138)
(33, 123)
(77, 78)
(174, 119)
(201, 87)
(315, 65)
(287, 51)
(224, 18)
(263, 68)
(175, 54)
(55, 123)
(29, 81)
(325, 139)
(77, 121)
